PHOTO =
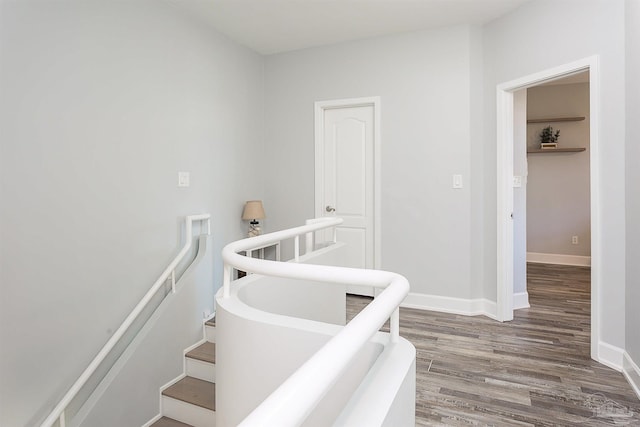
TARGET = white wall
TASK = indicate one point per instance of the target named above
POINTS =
(558, 199)
(476, 178)
(129, 395)
(522, 43)
(102, 104)
(632, 13)
(423, 80)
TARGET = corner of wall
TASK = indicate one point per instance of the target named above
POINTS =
(521, 300)
(610, 355)
(632, 196)
(631, 372)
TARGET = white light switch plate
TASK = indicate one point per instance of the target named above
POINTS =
(457, 181)
(183, 179)
(517, 181)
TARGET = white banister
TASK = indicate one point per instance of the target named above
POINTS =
(394, 325)
(308, 243)
(58, 413)
(292, 402)
(247, 245)
(310, 236)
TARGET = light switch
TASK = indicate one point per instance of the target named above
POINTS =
(517, 181)
(183, 179)
(457, 181)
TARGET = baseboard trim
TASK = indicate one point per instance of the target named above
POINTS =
(541, 258)
(610, 356)
(465, 307)
(152, 420)
(631, 372)
(521, 300)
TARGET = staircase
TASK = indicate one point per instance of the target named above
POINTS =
(191, 400)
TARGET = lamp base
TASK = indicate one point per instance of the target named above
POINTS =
(254, 229)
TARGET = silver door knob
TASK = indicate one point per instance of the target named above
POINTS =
(330, 209)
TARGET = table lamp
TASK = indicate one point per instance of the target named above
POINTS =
(253, 211)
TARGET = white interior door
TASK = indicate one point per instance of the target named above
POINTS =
(345, 178)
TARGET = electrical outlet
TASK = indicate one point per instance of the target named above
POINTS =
(574, 240)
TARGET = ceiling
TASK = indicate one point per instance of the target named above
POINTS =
(274, 26)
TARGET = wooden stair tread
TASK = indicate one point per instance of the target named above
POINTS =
(211, 322)
(192, 390)
(169, 422)
(205, 352)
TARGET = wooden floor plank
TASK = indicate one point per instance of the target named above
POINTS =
(533, 371)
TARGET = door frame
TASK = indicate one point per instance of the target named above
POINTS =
(504, 141)
(320, 108)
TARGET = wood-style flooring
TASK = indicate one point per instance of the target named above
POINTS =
(532, 371)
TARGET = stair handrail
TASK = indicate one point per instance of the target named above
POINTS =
(294, 400)
(58, 412)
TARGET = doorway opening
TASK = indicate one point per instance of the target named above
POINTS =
(506, 234)
(551, 215)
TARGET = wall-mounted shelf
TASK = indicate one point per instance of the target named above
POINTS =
(556, 150)
(556, 119)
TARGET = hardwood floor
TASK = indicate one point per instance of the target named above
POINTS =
(533, 371)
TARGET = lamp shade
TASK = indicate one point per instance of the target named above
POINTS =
(253, 210)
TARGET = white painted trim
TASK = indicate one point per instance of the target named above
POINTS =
(465, 307)
(379, 398)
(171, 382)
(320, 107)
(560, 259)
(631, 372)
(194, 346)
(197, 368)
(201, 370)
(504, 217)
(504, 196)
(610, 355)
(210, 333)
(188, 413)
(377, 184)
(521, 300)
(152, 420)
(595, 185)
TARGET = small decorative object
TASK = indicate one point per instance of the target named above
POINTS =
(549, 139)
(253, 211)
